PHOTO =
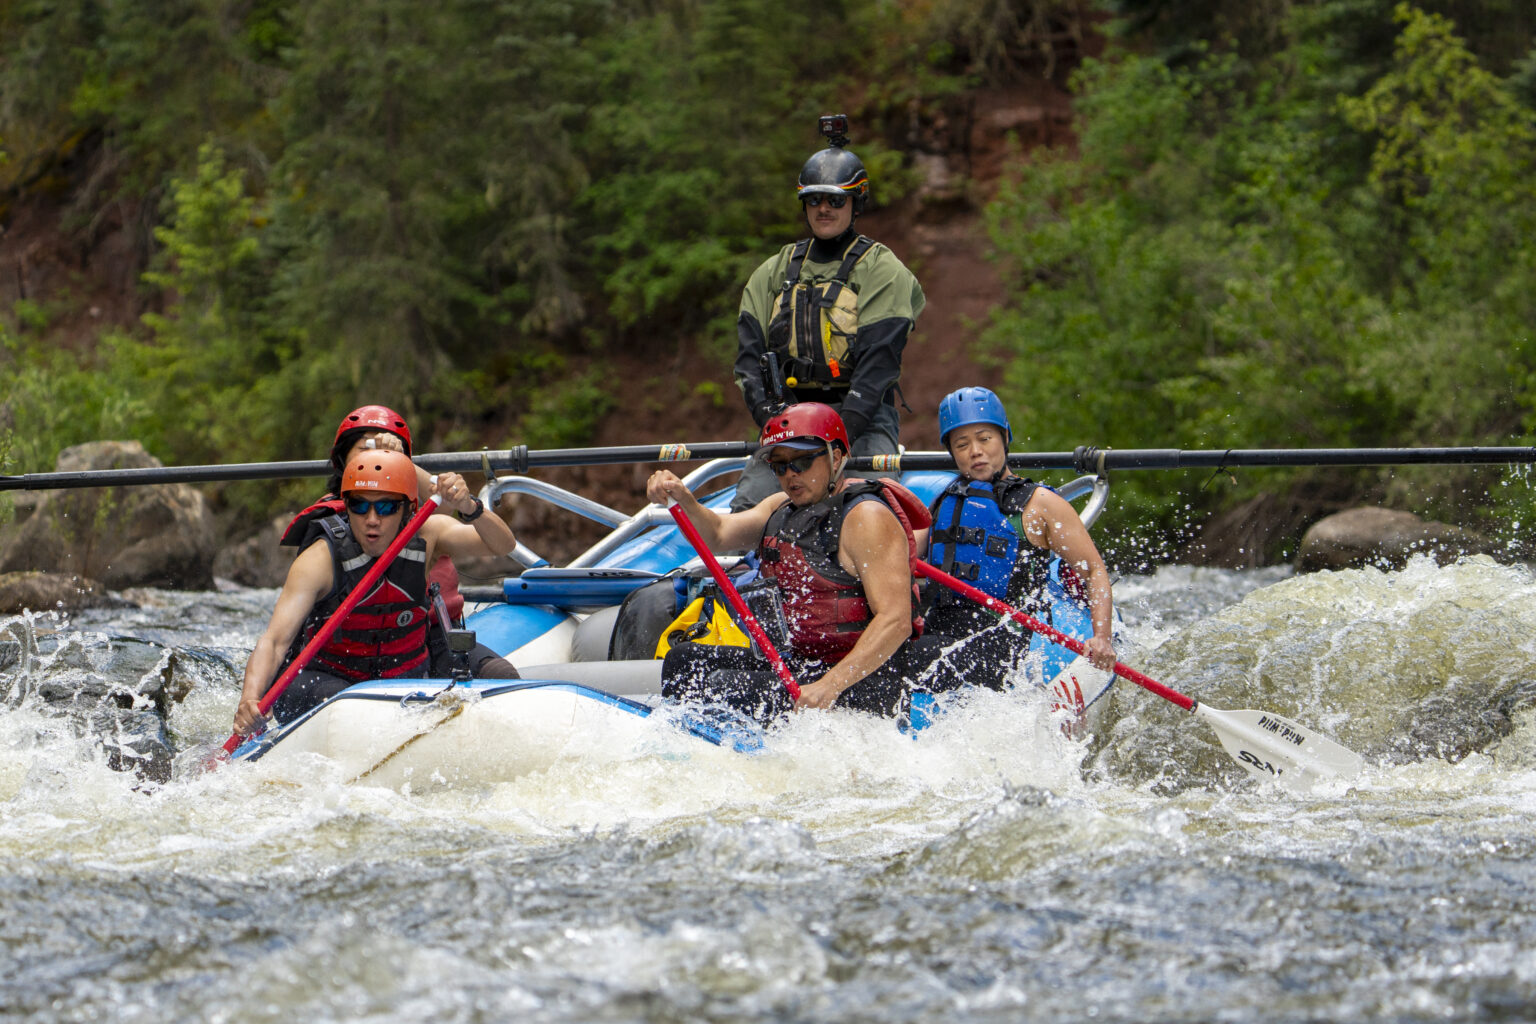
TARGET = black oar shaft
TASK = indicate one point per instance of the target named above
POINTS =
(1156, 458)
(1086, 459)
(164, 475)
(1092, 460)
(511, 460)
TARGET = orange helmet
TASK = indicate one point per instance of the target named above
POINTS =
(393, 472)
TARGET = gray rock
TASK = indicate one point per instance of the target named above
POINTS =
(1385, 538)
(134, 741)
(144, 535)
(259, 560)
(82, 673)
(52, 591)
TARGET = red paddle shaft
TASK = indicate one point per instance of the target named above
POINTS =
(734, 597)
(359, 592)
(984, 598)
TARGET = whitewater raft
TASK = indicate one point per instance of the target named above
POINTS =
(568, 630)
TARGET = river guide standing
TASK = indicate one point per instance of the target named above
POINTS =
(997, 532)
(835, 309)
(385, 636)
(839, 553)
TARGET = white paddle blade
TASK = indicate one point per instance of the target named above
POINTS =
(1275, 748)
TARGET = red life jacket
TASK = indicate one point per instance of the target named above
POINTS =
(385, 635)
(824, 604)
(304, 530)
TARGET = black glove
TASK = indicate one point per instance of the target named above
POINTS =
(763, 411)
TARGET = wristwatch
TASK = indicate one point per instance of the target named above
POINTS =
(476, 514)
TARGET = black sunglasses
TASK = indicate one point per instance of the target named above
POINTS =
(385, 506)
(815, 199)
(800, 465)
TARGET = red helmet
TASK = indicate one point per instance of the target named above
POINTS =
(369, 417)
(391, 472)
(805, 421)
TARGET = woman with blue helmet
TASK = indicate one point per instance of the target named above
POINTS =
(998, 531)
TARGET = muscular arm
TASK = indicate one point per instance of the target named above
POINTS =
(309, 579)
(1051, 522)
(874, 548)
(721, 531)
(487, 535)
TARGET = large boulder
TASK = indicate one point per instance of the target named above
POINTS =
(1385, 538)
(52, 591)
(143, 535)
(258, 561)
(1248, 535)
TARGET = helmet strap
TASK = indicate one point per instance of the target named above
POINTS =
(835, 468)
(407, 515)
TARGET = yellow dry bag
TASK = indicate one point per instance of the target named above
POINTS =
(704, 621)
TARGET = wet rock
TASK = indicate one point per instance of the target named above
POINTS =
(259, 560)
(1251, 534)
(1385, 538)
(490, 569)
(80, 673)
(158, 536)
(53, 591)
(135, 741)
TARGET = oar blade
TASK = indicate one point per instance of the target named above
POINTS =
(1277, 749)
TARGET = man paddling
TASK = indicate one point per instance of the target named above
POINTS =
(385, 636)
(838, 550)
(998, 532)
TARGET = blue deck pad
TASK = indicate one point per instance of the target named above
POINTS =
(575, 588)
(507, 627)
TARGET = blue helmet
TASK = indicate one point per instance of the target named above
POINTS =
(972, 405)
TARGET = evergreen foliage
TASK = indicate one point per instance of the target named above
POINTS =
(1283, 223)
(453, 209)
(1236, 257)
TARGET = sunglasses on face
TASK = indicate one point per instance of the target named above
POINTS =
(384, 506)
(800, 465)
(815, 199)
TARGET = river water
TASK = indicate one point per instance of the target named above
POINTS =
(989, 870)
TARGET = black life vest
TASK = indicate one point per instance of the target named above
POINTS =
(974, 539)
(386, 634)
(813, 325)
(824, 604)
(304, 530)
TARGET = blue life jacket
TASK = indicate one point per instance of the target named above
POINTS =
(974, 539)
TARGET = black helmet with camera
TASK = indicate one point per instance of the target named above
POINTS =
(835, 170)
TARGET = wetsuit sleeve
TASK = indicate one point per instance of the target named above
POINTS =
(890, 301)
(880, 346)
(751, 344)
(751, 335)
